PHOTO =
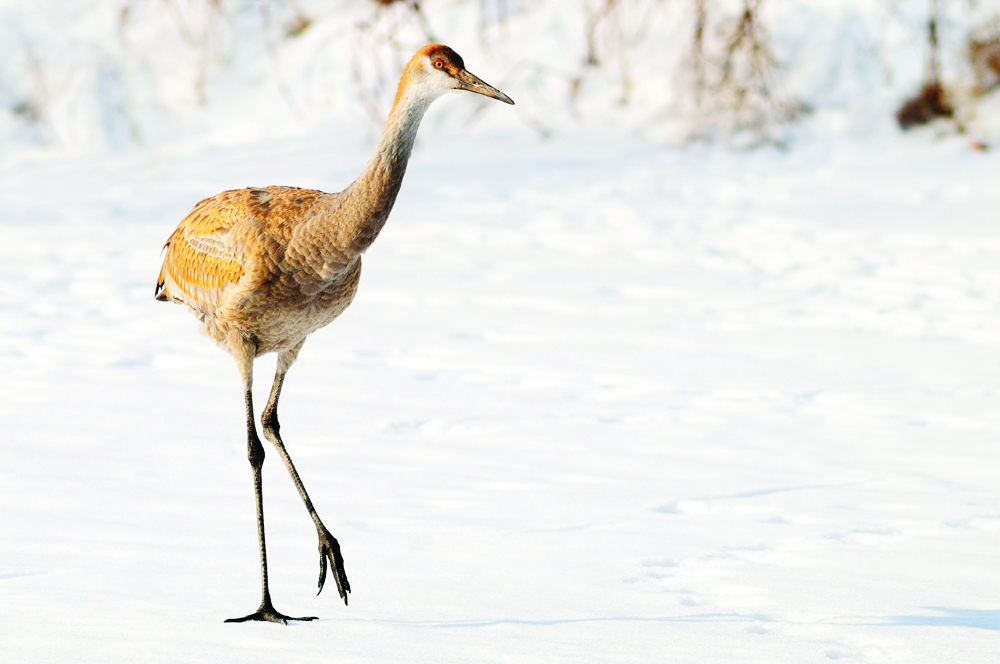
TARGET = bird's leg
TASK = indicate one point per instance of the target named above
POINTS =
(255, 452)
(329, 548)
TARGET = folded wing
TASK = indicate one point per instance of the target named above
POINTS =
(202, 259)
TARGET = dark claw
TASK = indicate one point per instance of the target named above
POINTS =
(329, 549)
(266, 613)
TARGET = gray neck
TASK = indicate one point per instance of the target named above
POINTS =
(368, 201)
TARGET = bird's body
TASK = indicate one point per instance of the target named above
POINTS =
(262, 262)
(264, 268)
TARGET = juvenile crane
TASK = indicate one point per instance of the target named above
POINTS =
(264, 268)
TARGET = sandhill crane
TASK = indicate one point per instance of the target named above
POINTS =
(264, 268)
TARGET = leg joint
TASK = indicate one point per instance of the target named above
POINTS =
(269, 420)
(255, 453)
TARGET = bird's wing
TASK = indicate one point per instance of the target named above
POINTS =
(203, 257)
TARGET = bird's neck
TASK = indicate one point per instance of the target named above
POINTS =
(370, 198)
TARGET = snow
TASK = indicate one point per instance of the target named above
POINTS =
(598, 400)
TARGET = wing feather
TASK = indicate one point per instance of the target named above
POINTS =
(201, 260)
(249, 234)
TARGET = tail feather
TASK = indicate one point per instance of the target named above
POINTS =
(161, 292)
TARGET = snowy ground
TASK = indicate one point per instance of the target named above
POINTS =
(596, 401)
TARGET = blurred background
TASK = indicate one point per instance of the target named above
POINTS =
(115, 74)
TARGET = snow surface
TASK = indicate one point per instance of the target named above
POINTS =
(596, 401)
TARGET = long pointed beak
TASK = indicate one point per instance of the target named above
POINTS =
(473, 83)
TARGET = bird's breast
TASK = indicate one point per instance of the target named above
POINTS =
(280, 314)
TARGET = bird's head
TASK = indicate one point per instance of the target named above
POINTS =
(436, 69)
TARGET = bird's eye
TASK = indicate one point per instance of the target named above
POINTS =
(439, 64)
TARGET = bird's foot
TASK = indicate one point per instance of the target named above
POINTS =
(329, 550)
(266, 613)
